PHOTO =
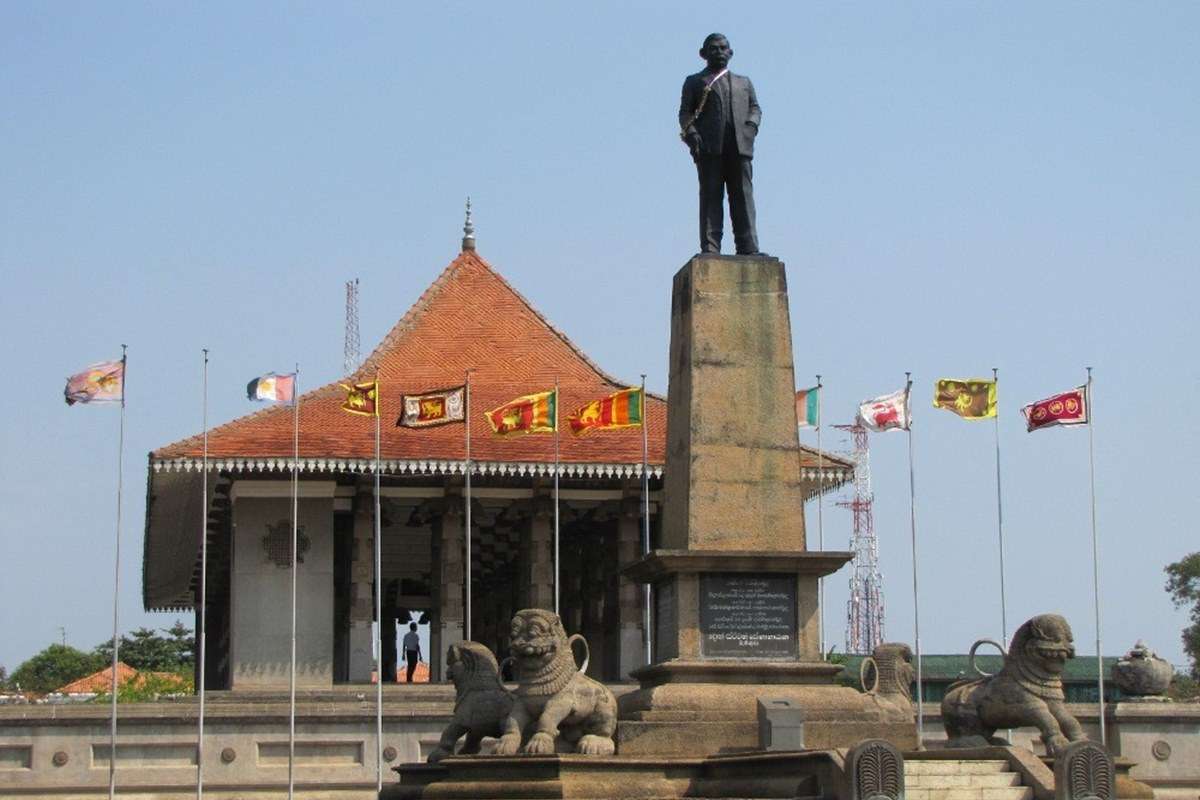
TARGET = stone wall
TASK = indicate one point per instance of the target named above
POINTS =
(60, 751)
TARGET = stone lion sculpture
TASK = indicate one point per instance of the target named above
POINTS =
(1027, 691)
(554, 698)
(481, 703)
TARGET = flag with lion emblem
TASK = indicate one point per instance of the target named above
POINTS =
(533, 413)
(621, 409)
(432, 408)
(970, 398)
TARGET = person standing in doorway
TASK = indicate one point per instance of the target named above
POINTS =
(412, 650)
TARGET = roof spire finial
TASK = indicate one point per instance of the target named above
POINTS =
(468, 242)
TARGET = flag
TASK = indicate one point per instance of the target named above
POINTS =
(890, 412)
(533, 413)
(970, 398)
(808, 404)
(434, 408)
(623, 409)
(103, 382)
(1068, 408)
(278, 388)
(362, 398)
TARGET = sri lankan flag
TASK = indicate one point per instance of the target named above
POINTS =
(362, 398)
(623, 409)
(970, 398)
(533, 413)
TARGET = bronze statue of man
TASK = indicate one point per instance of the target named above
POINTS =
(718, 120)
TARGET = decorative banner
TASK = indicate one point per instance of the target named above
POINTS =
(623, 409)
(277, 388)
(434, 408)
(533, 413)
(890, 412)
(99, 383)
(362, 398)
(1068, 408)
(970, 398)
(808, 403)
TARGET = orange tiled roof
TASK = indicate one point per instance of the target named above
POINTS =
(100, 681)
(469, 318)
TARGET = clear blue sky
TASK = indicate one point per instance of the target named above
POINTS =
(953, 187)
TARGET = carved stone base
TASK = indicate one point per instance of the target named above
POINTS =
(708, 707)
(805, 774)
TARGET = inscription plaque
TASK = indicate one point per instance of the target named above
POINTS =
(748, 615)
(666, 621)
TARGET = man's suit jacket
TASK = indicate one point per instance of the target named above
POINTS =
(711, 122)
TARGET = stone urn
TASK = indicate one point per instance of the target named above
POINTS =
(1141, 674)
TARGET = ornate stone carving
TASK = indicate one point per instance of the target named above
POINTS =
(228, 755)
(893, 674)
(555, 700)
(481, 704)
(875, 771)
(1161, 750)
(1084, 770)
(1027, 691)
(60, 758)
(390, 753)
(1142, 675)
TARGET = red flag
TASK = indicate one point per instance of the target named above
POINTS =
(1068, 408)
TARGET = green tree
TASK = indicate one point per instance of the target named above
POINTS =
(1183, 584)
(145, 649)
(56, 666)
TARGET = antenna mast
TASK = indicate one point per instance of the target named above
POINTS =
(351, 355)
(864, 609)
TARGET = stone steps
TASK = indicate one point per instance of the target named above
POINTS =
(962, 780)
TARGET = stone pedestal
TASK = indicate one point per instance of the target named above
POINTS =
(735, 591)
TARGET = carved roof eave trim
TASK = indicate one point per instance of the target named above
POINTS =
(421, 466)
(834, 476)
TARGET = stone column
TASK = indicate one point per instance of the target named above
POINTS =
(448, 532)
(362, 576)
(629, 550)
(537, 547)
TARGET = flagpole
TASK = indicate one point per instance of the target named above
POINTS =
(112, 734)
(203, 632)
(646, 621)
(295, 538)
(1000, 517)
(378, 604)
(556, 455)
(820, 521)
(912, 492)
(467, 485)
(1095, 553)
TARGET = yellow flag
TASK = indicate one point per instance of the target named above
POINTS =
(970, 398)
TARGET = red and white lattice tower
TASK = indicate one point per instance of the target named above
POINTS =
(864, 609)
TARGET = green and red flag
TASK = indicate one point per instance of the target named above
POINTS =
(1068, 408)
(362, 399)
(533, 413)
(808, 407)
(623, 409)
(432, 408)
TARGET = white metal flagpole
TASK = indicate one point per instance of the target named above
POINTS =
(378, 605)
(912, 492)
(295, 543)
(1095, 553)
(1000, 517)
(467, 509)
(556, 577)
(646, 621)
(820, 520)
(203, 632)
(112, 733)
